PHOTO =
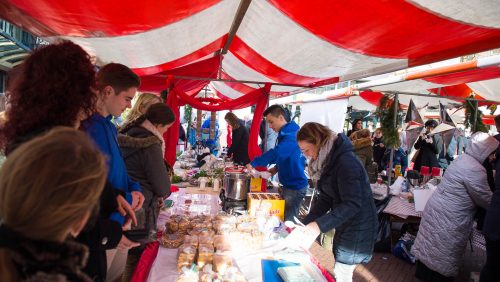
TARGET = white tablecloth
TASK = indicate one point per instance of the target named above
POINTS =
(164, 267)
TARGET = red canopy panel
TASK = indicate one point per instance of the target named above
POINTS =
(278, 41)
(83, 18)
(419, 31)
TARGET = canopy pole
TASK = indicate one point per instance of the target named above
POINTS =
(395, 103)
(475, 116)
(234, 80)
(264, 142)
(440, 97)
(238, 18)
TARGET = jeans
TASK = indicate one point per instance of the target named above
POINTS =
(343, 272)
(293, 199)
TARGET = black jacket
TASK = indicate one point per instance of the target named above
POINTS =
(491, 228)
(345, 202)
(378, 151)
(142, 152)
(40, 260)
(427, 155)
(101, 234)
(239, 146)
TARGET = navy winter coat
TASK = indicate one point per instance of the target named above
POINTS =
(345, 202)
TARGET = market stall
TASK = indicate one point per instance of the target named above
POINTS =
(197, 241)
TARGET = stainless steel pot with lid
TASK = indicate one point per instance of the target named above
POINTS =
(236, 185)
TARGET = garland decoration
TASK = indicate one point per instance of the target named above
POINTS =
(385, 111)
(470, 112)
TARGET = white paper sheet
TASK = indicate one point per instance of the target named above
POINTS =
(329, 113)
(421, 197)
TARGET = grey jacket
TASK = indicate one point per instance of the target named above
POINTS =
(143, 157)
(448, 216)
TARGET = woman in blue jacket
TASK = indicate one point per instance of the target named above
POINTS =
(345, 202)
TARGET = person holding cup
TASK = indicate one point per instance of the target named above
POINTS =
(345, 202)
(427, 147)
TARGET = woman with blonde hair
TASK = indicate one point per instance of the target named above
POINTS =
(345, 202)
(141, 105)
(49, 187)
(240, 135)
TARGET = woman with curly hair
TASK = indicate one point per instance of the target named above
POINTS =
(54, 88)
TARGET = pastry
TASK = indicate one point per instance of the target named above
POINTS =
(171, 241)
(222, 262)
(205, 255)
(191, 240)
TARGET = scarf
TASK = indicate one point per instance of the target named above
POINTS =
(316, 166)
(151, 128)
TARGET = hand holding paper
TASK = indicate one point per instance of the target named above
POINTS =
(302, 237)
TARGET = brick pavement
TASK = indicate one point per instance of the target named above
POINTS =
(386, 267)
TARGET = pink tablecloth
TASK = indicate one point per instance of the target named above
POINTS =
(401, 208)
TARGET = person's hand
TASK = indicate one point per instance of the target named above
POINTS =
(429, 140)
(126, 244)
(265, 174)
(249, 167)
(125, 209)
(137, 200)
(302, 237)
(381, 145)
(313, 229)
(161, 204)
(273, 170)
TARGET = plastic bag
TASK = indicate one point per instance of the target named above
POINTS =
(402, 248)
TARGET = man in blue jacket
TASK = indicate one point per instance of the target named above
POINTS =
(117, 85)
(290, 162)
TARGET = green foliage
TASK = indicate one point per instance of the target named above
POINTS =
(470, 111)
(188, 112)
(176, 179)
(200, 173)
(385, 111)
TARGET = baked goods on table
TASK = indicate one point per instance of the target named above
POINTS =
(222, 262)
(171, 241)
(186, 256)
(205, 255)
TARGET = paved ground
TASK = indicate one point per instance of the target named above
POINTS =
(386, 267)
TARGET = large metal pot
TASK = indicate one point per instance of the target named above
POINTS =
(236, 185)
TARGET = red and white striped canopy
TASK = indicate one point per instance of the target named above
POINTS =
(305, 43)
(479, 78)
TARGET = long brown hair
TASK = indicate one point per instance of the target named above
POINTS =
(47, 185)
(314, 133)
(233, 120)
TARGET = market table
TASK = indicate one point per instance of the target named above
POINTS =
(160, 264)
(401, 211)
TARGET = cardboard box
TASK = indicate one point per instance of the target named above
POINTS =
(258, 184)
(273, 200)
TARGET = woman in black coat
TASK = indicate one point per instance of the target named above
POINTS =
(427, 148)
(142, 147)
(345, 202)
(240, 135)
(491, 231)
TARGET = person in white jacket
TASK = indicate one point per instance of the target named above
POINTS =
(448, 216)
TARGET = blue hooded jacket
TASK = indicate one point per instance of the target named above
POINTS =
(287, 157)
(105, 135)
